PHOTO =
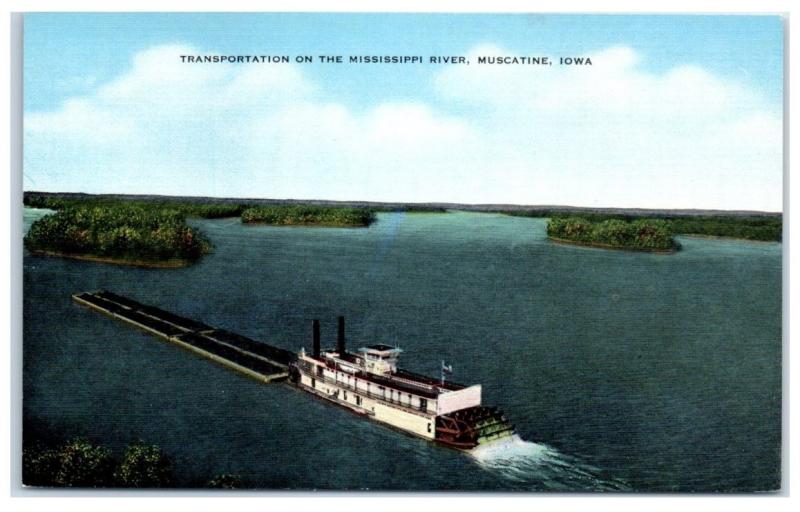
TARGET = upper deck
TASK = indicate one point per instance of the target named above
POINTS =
(373, 371)
(396, 378)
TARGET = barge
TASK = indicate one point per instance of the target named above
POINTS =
(367, 382)
(253, 358)
(370, 384)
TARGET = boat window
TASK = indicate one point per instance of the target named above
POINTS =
(423, 404)
(429, 427)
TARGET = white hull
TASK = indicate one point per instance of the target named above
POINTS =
(413, 422)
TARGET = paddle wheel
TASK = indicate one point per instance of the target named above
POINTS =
(467, 428)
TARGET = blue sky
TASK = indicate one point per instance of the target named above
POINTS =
(715, 79)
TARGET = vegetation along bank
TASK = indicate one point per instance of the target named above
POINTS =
(764, 227)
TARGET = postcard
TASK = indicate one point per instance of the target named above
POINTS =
(403, 252)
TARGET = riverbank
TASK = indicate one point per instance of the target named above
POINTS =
(729, 238)
(171, 263)
(307, 225)
(595, 245)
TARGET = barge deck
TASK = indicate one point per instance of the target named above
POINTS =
(253, 358)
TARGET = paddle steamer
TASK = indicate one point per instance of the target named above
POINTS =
(370, 383)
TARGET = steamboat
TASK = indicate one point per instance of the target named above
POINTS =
(367, 382)
(370, 384)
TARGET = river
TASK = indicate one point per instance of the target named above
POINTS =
(621, 370)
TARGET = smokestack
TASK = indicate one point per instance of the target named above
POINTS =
(315, 329)
(340, 347)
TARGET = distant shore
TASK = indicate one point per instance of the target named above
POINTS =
(739, 224)
(409, 206)
(305, 215)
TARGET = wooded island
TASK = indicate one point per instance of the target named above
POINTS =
(653, 235)
(118, 234)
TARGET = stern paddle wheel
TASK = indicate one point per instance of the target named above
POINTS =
(467, 428)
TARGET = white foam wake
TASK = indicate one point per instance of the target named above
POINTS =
(537, 466)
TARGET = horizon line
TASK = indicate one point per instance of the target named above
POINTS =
(445, 205)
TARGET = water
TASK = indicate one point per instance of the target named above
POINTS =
(621, 371)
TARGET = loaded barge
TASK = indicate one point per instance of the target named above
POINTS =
(250, 357)
(367, 382)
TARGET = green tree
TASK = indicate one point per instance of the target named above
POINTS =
(144, 466)
(225, 481)
(39, 465)
(82, 464)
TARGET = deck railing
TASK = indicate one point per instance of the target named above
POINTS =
(369, 394)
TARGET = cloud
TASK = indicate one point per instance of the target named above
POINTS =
(682, 138)
(608, 135)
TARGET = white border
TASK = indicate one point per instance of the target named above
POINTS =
(10, 309)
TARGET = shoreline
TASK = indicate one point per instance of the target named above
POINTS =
(392, 205)
(171, 263)
(564, 241)
(307, 225)
(729, 238)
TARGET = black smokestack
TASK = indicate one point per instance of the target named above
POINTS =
(315, 329)
(340, 346)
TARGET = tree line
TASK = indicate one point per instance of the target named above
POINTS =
(79, 463)
(287, 215)
(766, 228)
(187, 208)
(299, 215)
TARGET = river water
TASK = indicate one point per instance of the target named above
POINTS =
(621, 371)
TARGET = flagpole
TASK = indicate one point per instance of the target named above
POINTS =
(445, 368)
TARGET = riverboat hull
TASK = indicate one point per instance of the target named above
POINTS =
(461, 430)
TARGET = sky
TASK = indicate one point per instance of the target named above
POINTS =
(674, 112)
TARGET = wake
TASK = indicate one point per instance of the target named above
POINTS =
(533, 466)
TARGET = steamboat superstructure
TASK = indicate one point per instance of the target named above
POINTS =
(370, 383)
